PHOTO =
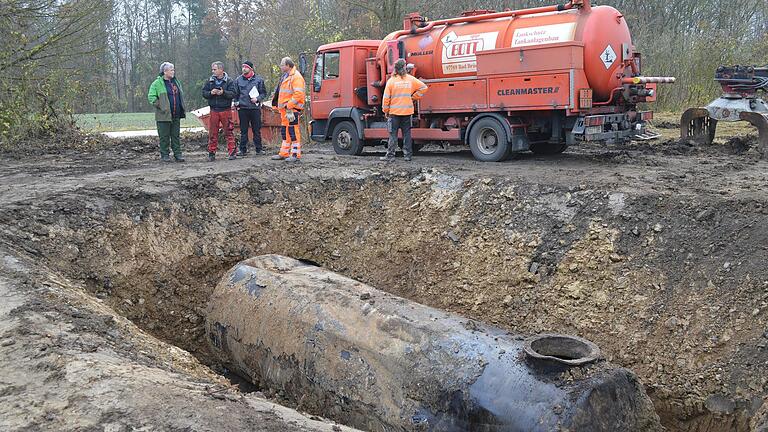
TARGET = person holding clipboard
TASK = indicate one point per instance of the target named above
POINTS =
(249, 94)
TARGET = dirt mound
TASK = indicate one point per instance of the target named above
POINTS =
(190, 142)
(63, 141)
(667, 125)
(737, 145)
(741, 144)
(74, 142)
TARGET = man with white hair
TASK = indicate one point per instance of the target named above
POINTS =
(166, 96)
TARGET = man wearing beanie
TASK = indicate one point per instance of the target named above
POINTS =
(219, 90)
(249, 93)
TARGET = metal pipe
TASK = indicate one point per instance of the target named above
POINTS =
(648, 80)
(610, 99)
(495, 15)
(360, 356)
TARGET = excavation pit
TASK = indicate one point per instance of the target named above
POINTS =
(646, 269)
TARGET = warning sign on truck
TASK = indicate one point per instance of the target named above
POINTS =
(543, 35)
(459, 51)
(608, 57)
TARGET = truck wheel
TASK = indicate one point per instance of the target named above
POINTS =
(345, 139)
(488, 141)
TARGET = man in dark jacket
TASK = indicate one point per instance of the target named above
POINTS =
(250, 91)
(220, 90)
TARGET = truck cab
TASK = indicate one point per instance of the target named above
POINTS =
(339, 87)
(346, 92)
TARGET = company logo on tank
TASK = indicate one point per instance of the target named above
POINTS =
(542, 35)
(528, 91)
(459, 51)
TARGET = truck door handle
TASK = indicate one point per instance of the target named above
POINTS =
(337, 95)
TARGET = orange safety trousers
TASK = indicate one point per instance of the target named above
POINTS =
(291, 135)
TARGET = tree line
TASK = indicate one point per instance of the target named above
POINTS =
(64, 56)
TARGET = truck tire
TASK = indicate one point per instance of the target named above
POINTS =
(488, 141)
(345, 139)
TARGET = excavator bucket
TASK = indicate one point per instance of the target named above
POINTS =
(760, 121)
(695, 124)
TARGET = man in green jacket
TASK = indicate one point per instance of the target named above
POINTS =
(166, 96)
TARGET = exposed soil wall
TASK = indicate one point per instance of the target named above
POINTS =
(672, 288)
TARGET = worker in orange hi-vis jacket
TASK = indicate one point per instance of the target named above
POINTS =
(397, 103)
(289, 98)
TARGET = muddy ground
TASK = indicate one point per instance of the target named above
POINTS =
(655, 251)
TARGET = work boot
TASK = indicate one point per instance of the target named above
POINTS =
(179, 158)
(165, 158)
(259, 152)
(277, 157)
(211, 157)
(293, 159)
(387, 158)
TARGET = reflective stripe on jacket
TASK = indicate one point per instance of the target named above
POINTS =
(400, 93)
(292, 93)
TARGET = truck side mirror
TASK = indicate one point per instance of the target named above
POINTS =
(317, 72)
(303, 64)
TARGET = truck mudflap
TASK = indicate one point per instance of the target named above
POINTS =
(318, 130)
(612, 128)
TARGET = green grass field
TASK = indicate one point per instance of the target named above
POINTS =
(124, 122)
(724, 129)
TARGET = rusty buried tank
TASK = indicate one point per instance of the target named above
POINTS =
(339, 348)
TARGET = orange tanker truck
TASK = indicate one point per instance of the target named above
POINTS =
(535, 80)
